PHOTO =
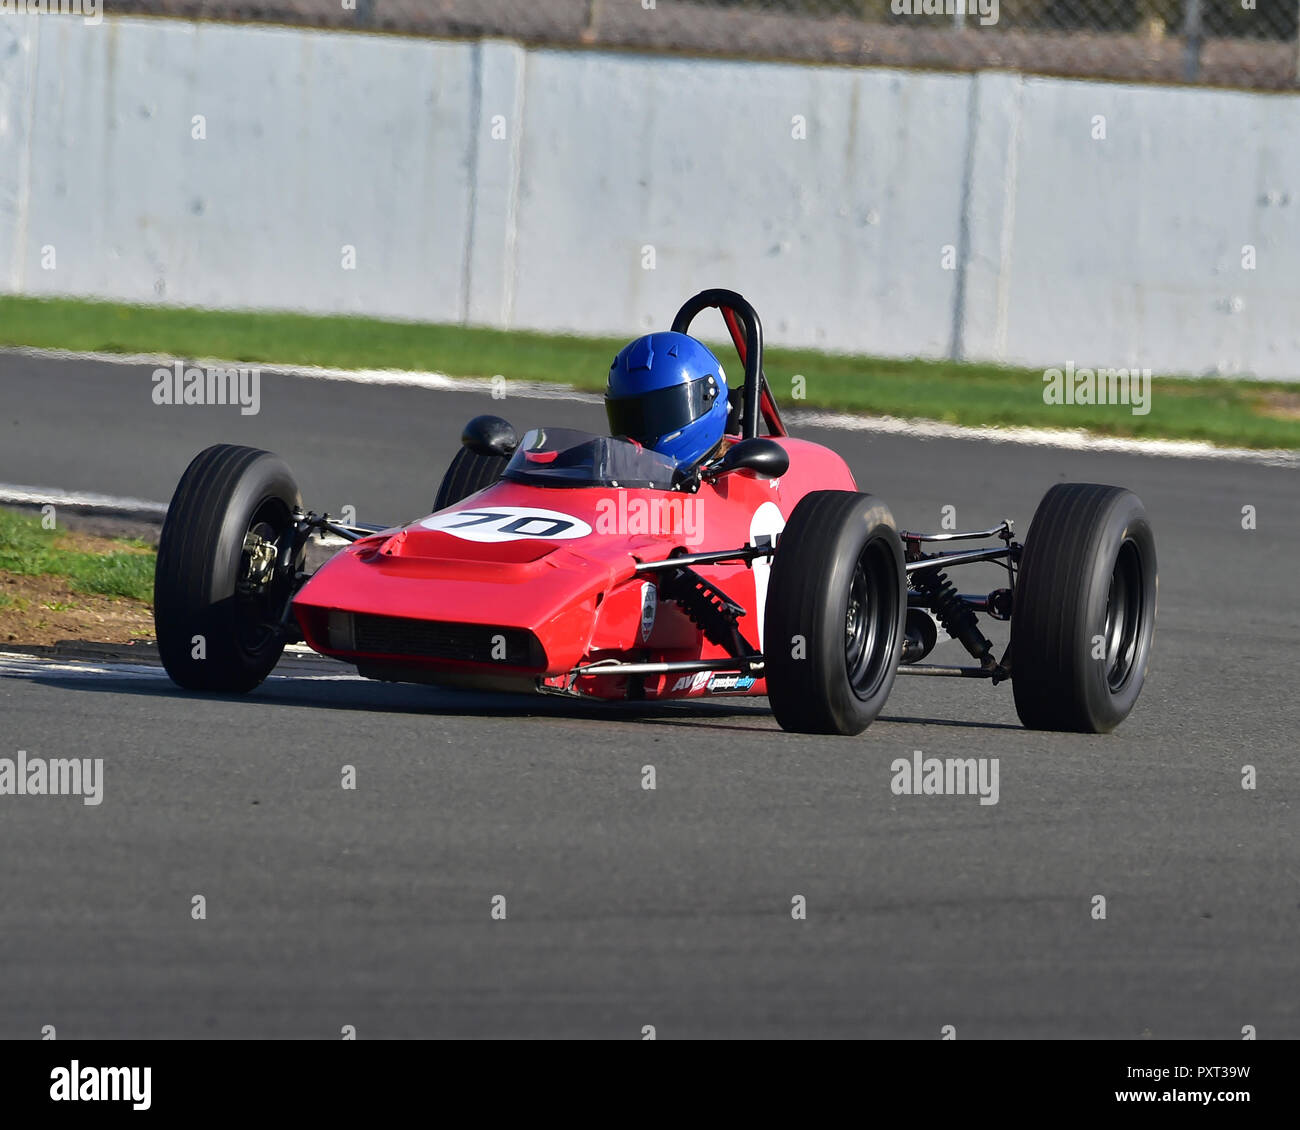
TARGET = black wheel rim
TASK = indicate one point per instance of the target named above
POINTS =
(1124, 615)
(871, 618)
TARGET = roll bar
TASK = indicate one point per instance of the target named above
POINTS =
(747, 336)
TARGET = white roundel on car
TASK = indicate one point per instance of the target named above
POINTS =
(508, 523)
(766, 523)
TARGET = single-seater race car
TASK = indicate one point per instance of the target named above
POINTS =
(600, 566)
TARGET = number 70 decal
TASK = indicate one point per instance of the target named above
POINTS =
(508, 523)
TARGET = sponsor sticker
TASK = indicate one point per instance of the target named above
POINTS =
(730, 683)
(649, 606)
(712, 683)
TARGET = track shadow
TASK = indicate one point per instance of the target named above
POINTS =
(301, 690)
(399, 698)
(968, 725)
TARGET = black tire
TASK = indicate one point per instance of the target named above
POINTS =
(839, 551)
(1085, 609)
(225, 492)
(468, 474)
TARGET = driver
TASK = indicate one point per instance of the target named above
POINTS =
(668, 392)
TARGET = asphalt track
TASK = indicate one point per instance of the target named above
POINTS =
(628, 907)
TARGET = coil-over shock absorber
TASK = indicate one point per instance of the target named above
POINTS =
(954, 614)
(708, 606)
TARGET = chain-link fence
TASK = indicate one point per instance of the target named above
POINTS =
(1247, 43)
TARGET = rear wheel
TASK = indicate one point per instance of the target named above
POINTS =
(218, 596)
(836, 604)
(468, 474)
(1085, 609)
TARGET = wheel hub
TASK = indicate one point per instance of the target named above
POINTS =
(259, 557)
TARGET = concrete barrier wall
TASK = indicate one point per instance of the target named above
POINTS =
(865, 210)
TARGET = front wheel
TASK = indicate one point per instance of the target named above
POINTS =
(219, 593)
(1085, 609)
(836, 605)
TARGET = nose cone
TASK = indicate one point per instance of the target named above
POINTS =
(423, 598)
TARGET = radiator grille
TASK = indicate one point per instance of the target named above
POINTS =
(432, 639)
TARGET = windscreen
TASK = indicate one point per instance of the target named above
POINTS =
(564, 457)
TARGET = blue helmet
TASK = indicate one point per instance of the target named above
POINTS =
(668, 392)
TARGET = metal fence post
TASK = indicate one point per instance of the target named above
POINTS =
(1192, 33)
(1297, 44)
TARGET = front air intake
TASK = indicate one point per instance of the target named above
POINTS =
(433, 639)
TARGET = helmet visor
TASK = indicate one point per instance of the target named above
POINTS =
(647, 417)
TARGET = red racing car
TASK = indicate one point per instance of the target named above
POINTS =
(597, 566)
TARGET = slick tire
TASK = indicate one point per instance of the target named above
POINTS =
(1084, 612)
(468, 474)
(216, 630)
(836, 605)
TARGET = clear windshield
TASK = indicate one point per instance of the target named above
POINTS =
(564, 457)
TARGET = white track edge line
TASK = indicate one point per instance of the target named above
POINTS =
(90, 500)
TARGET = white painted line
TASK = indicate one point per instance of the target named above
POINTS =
(57, 496)
(408, 378)
(1069, 439)
(16, 665)
(352, 677)
(88, 500)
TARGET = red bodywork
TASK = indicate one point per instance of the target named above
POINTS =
(423, 604)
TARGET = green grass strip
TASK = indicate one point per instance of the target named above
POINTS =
(1230, 413)
(29, 550)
